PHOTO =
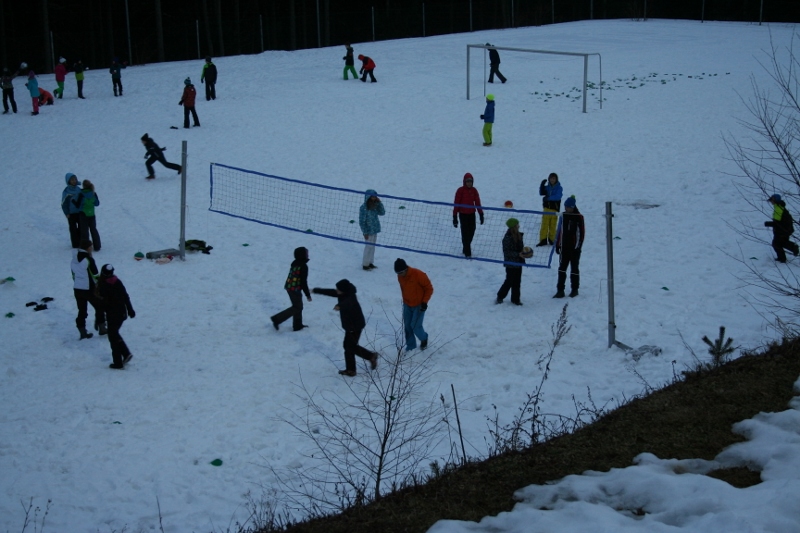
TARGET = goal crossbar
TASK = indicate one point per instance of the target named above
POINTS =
(584, 55)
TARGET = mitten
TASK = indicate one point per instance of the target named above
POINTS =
(423, 307)
(455, 221)
(767, 224)
(481, 215)
(481, 117)
(132, 313)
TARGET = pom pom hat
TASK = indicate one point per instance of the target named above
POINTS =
(570, 202)
(512, 222)
(400, 266)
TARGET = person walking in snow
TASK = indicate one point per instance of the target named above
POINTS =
(353, 324)
(187, 101)
(367, 68)
(33, 88)
(368, 214)
(782, 226)
(117, 304)
(78, 69)
(61, 75)
(7, 83)
(551, 192)
(155, 153)
(116, 75)
(467, 201)
(349, 62)
(569, 242)
(513, 259)
(84, 279)
(494, 65)
(416, 289)
(209, 77)
(488, 120)
(296, 285)
(71, 211)
(86, 201)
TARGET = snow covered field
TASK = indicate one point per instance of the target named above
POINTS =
(210, 375)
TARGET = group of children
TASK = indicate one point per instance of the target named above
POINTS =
(367, 65)
(102, 289)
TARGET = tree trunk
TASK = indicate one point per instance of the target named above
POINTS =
(160, 32)
(219, 27)
(292, 26)
(48, 58)
(207, 24)
(111, 47)
(238, 22)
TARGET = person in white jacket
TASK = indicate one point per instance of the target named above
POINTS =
(84, 277)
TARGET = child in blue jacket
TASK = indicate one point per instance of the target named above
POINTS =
(488, 120)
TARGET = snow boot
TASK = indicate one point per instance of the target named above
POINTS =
(85, 334)
(559, 294)
(573, 293)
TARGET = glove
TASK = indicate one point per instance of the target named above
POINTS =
(767, 224)
(481, 117)
(423, 307)
(481, 215)
(455, 221)
(132, 314)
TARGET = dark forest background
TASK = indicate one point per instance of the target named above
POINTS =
(39, 31)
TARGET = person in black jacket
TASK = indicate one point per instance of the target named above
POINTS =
(155, 153)
(512, 255)
(494, 65)
(209, 77)
(349, 62)
(118, 308)
(569, 242)
(353, 323)
(782, 228)
(296, 284)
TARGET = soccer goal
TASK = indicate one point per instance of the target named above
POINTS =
(585, 57)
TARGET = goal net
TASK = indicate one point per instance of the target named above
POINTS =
(409, 224)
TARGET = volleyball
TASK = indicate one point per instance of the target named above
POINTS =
(527, 252)
(509, 204)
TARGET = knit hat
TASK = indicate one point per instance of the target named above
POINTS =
(107, 270)
(570, 202)
(400, 266)
(361, 56)
(187, 81)
(208, 59)
(490, 97)
(511, 222)
(345, 286)
(775, 198)
(62, 60)
(145, 137)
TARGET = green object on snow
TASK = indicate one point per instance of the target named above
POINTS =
(138, 255)
(664, 288)
(245, 244)
(309, 230)
(617, 238)
(756, 258)
(402, 207)
(217, 462)
(352, 221)
(116, 422)
(9, 315)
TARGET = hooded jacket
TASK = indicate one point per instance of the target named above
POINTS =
(153, 149)
(782, 223)
(366, 63)
(209, 74)
(86, 201)
(571, 232)
(467, 199)
(70, 193)
(297, 280)
(488, 113)
(60, 72)
(33, 86)
(368, 218)
(551, 194)
(84, 270)
(116, 302)
(189, 96)
(349, 309)
(512, 248)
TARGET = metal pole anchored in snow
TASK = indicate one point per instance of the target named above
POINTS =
(612, 326)
(184, 157)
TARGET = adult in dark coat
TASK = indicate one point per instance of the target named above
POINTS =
(512, 256)
(569, 242)
(782, 226)
(353, 324)
(467, 201)
(117, 305)
(209, 77)
(494, 65)
(7, 83)
(296, 284)
(155, 153)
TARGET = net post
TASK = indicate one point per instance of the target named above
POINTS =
(612, 326)
(182, 242)
(585, 78)
(468, 72)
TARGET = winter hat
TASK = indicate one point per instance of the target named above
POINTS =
(208, 59)
(490, 97)
(570, 202)
(31, 74)
(400, 266)
(145, 137)
(107, 271)
(187, 81)
(360, 56)
(345, 286)
(62, 60)
(511, 222)
(775, 198)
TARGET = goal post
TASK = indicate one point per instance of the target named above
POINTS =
(585, 57)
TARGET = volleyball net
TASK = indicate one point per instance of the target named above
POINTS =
(410, 224)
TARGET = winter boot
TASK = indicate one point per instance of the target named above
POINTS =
(85, 334)
(559, 294)
(573, 293)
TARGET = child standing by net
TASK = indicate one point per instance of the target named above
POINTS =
(368, 214)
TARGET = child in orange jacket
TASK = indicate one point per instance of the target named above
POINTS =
(417, 290)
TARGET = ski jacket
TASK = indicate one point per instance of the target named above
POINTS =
(782, 223)
(209, 73)
(551, 195)
(297, 280)
(189, 96)
(70, 193)
(116, 302)
(467, 199)
(86, 201)
(116, 70)
(571, 232)
(349, 309)
(45, 96)
(78, 69)
(368, 214)
(33, 87)
(366, 63)
(153, 149)
(415, 287)
(84, 270)
(61, 72)
(512, 248)
(6, 80)
(348, 57)
(494, 57)
(488, 113)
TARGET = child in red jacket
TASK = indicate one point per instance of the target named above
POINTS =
(368, 65)
(187, 101)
